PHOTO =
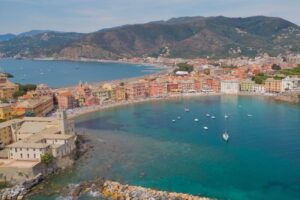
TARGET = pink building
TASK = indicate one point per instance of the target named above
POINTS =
(66, 100)
(158, 89)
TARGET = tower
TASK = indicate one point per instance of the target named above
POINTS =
(62, 121)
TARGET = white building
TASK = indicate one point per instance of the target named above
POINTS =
(34, 136)
(290, 84)
(230, 86)
(258, 88)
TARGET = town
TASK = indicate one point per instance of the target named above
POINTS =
(37, 130)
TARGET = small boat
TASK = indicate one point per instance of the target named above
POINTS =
(186, 110)
(226, 116)
(225, 136)
(207, 115)
(205, 128)
(213, 117)
(196, 120)
(178, 117)
(249, 115)
(173, 120)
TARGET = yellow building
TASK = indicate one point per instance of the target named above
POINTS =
(119, 93)
(273, 85)
(7, 88)
(6, 136)
(5, 111)
(39, 107)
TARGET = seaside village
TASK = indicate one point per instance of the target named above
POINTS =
(35, 128)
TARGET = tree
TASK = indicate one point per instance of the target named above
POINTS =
(29, 114)
(184, 67)
(276, 67)
(47, 158)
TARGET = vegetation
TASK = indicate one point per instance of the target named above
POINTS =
(229, 66)
(184, 38)
(291, 72)
(260, 78)
(29, 114)
(184, 67)
(9, 75)
(23, 89)
(276, 67)
(47, 158)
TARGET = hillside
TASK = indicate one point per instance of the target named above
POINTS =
(178, 37)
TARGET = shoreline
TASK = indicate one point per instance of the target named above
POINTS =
(93, 109)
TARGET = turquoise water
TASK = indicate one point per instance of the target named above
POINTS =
(140, 145)
(66, 73)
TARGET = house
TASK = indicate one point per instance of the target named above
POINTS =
(137, 90)
(5, 111)
(273, 86)
(38, 107)
(7, 88)
(66, 100)
(290, 84)
(247, 86)
(230, 86)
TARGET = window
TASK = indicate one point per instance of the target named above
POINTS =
(16, 150)
(27, 155)
(34, 155)
(21, 155)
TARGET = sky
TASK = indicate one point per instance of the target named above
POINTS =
(84, 16)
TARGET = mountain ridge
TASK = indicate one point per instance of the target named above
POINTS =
(186, 37)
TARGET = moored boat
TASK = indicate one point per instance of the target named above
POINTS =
(225, 136)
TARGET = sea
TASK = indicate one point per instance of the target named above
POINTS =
(69, 73)
(160, 146)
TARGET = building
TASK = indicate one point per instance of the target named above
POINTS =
(186, 86)
(42, 90)
(158, 88)
(230, 86)
(7, 88)
(247, 86)
(38, 107)
(31, 137)
(259, 88)
(5, 111)
(104, 93)
(273, 86)
(290, 84)
(172, 87)
(119, 93)
(136, 90)
(66, 100)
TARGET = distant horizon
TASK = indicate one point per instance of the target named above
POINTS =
(50, 30)
(85, 16)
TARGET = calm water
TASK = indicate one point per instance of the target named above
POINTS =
(66, 73)
(140, 145)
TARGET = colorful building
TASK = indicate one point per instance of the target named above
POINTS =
(119, 93)
(38, 107)
(158, 88)
(247, 86)
(66, 100)
(5, 111)
(137, 90)
(272, 85)
(7, 88)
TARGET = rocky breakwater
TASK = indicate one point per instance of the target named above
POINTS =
(116, 190)
(104, 189)
(19, 191)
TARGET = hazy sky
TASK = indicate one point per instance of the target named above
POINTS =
(91, 15)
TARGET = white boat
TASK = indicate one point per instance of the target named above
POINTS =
(249, 115)
(205, 128)
(213, 117)
(173, 120)
(225, 136)
(186, 110)
(207, 115)
(226, 116)
(196, 120)
(178, 117)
